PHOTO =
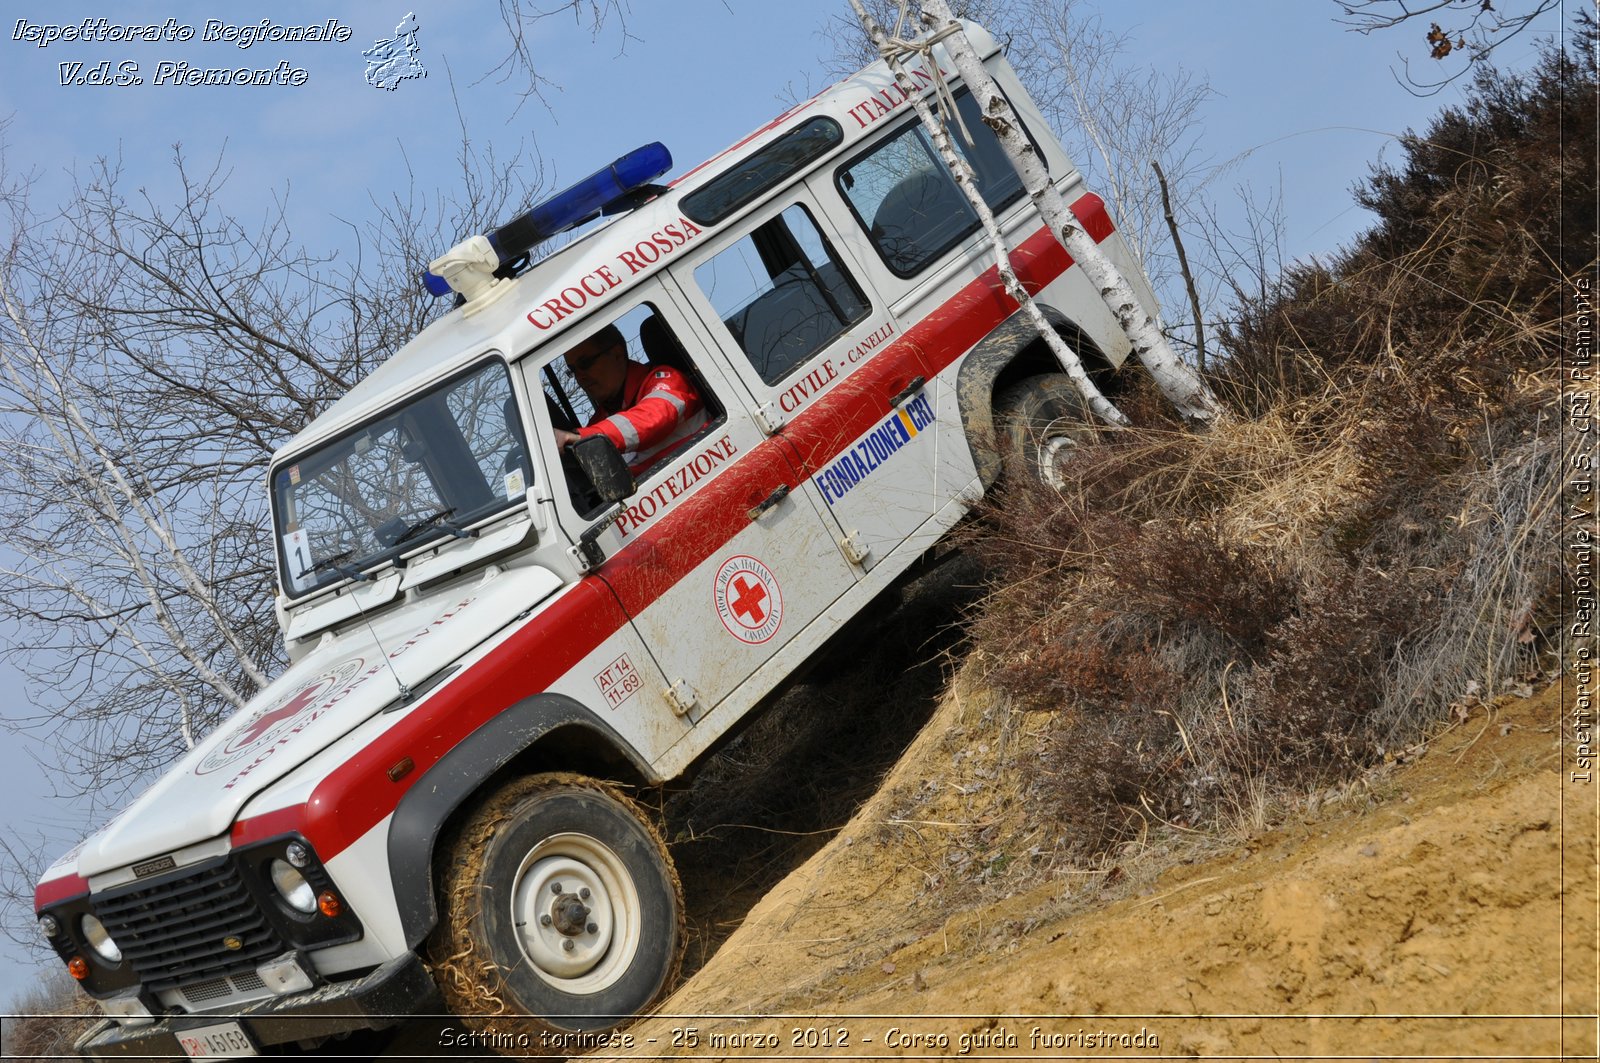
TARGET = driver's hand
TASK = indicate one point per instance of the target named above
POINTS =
(565, 439)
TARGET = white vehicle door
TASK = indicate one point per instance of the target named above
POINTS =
(718, 558)
(816, 352)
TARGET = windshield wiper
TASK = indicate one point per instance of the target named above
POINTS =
(333, 561)
(434, 520)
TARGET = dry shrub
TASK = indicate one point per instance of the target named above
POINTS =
(1259, 631)
(1279, 600)
(1308, 703)
(1373, 536)
(1194, 573)
(44, 1021)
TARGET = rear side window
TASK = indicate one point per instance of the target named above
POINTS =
(782, 292)
(906, 200)
(774, 164)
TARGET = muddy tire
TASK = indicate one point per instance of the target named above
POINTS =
(1039, 421)
(561, 913)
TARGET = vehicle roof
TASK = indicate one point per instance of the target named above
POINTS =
(459, 338)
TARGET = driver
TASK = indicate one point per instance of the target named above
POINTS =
(645, 410)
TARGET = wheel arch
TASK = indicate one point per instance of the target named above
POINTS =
(541, 733)
(1012, 351)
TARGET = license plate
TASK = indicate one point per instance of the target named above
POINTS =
(224, 1040)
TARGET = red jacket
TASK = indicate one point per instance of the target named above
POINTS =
(660, 408)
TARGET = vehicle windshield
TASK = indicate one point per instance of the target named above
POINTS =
(446, 459)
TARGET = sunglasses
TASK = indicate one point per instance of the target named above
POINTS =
(584, 362)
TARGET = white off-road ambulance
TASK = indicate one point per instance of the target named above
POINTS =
(498, 633)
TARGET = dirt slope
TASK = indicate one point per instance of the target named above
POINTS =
(1443, 906)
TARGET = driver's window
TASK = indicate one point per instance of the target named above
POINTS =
(632, 381)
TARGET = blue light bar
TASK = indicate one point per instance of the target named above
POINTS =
(572, 206)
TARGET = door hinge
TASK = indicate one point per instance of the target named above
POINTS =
(855, 551)
(769, 417)
(682, 697)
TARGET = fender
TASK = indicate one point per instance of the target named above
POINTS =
(987, 362)
(456, 777)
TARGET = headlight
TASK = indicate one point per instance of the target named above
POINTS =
(94, 932)
(293, 887)
(50, 925)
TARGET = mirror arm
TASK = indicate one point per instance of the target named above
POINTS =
(588, 548)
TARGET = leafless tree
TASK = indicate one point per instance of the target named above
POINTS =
(1472, 29)
(43, 1021)
(152, 356)
(153, 353)
(1114, 114)
(520, 66)
(1177, 381)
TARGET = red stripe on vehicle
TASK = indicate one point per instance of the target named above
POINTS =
(267, 825)
(358, 793)
(59, 889)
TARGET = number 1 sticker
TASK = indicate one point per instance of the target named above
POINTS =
(297, 548)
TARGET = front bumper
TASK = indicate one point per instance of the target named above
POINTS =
(399, 988)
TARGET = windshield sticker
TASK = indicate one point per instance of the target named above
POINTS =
(880, 444)
(515, 488)
(294, 474)
(748, 599)
(297, 549)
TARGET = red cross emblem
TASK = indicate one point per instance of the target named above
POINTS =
(292, 707)
(748, 599)
(285, 716)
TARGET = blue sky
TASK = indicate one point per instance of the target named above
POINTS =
(1309, 103)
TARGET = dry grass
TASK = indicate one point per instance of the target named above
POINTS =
(43, 1022)
(1207, 626)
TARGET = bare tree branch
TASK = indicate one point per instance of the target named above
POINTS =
(1470, 28)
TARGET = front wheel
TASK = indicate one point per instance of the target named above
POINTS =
(1041, 420)
(561, 911)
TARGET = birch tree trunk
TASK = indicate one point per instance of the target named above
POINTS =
(1180, 384)
(891, 50)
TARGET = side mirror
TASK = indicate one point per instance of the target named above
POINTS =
(602, 463)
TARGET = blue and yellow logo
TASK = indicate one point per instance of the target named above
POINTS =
(879, 445)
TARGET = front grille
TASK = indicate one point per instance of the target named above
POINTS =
(175, 930)
(201, 993)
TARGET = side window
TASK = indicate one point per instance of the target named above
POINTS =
(633, 382)
(782, 292)
(906, 200)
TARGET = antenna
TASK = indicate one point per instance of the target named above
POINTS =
(360, 577)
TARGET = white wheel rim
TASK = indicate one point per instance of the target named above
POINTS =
(549, 891)
(1055, 451)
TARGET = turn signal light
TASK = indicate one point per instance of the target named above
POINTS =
(328, 903)
(78, 967)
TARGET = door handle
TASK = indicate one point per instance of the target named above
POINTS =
(909, 390)
(779, 493)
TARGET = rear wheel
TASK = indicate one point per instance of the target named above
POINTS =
(1041, 420)
(562, 913)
